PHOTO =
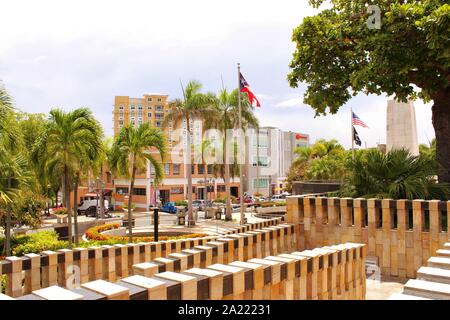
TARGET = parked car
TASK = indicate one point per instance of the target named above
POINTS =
(169, 207)
(278, 198)
(201, 205)
(88, 206)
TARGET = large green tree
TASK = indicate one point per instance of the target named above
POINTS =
(342, 51)
(194, 105)
(131, 150)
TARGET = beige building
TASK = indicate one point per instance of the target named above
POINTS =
(401, 128)
(151, 108)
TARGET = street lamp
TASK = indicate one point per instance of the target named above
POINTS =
(99, 189)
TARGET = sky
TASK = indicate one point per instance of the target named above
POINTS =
(70, 54)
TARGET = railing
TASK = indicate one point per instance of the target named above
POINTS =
(34, 271)
(401, 234)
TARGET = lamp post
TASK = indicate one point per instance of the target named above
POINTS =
(99, 190)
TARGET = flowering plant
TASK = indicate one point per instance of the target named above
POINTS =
(60, 211)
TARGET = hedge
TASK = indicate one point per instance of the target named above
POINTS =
(95, 234)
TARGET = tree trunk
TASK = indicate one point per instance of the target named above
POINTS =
(8, 226)
(102, 198)
(191, 221)
(130, 195)
(205, 195)
(228, 212)
(67, 204)
(441, 124)
(75, 208)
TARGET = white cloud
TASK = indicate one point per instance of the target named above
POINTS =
(294, 102)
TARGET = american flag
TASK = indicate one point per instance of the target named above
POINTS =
(357, 121)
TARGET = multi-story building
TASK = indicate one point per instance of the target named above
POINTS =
(151, 108)
(270, 155)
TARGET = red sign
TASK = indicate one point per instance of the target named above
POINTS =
(299, 136)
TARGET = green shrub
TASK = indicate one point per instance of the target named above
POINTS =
(272, 204)
(181, 203)
(3, 283)
(220, 200)
(36, 243)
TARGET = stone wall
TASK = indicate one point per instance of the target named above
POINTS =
(400, 234)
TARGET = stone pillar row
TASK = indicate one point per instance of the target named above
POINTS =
(400, 234)
(80, 265)
(331, 272)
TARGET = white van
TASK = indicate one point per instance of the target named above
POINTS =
(88, 205)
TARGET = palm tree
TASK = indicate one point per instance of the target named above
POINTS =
(396, 175)
(14, 173)
(68, 139)
(226, 105)
(195, 105)
(130, 152)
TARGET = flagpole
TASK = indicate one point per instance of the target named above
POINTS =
(353, 132)
(241, 189)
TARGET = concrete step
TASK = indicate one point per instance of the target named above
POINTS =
(439, 262)
(427, 289)
(434, 274)
(402, 296)
(444, 253)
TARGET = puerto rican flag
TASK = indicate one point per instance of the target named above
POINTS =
(245, 87)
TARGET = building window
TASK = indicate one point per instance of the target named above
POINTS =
(159, 99)
(149, 114)
(261, 162)
(158, 124)
(149, 99)
(139, 191)
(120, 122)
(149, 108)
(139, 107)
(221, 188)
(176, 169)
(193, 168)
(120, 107)
(166, 168)
(122, 190)
(132, 107)
(201, 168)
(159, 115)
(262, 141)
(159, 108)
(210, 188)
(210, 169)
(263, 183)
